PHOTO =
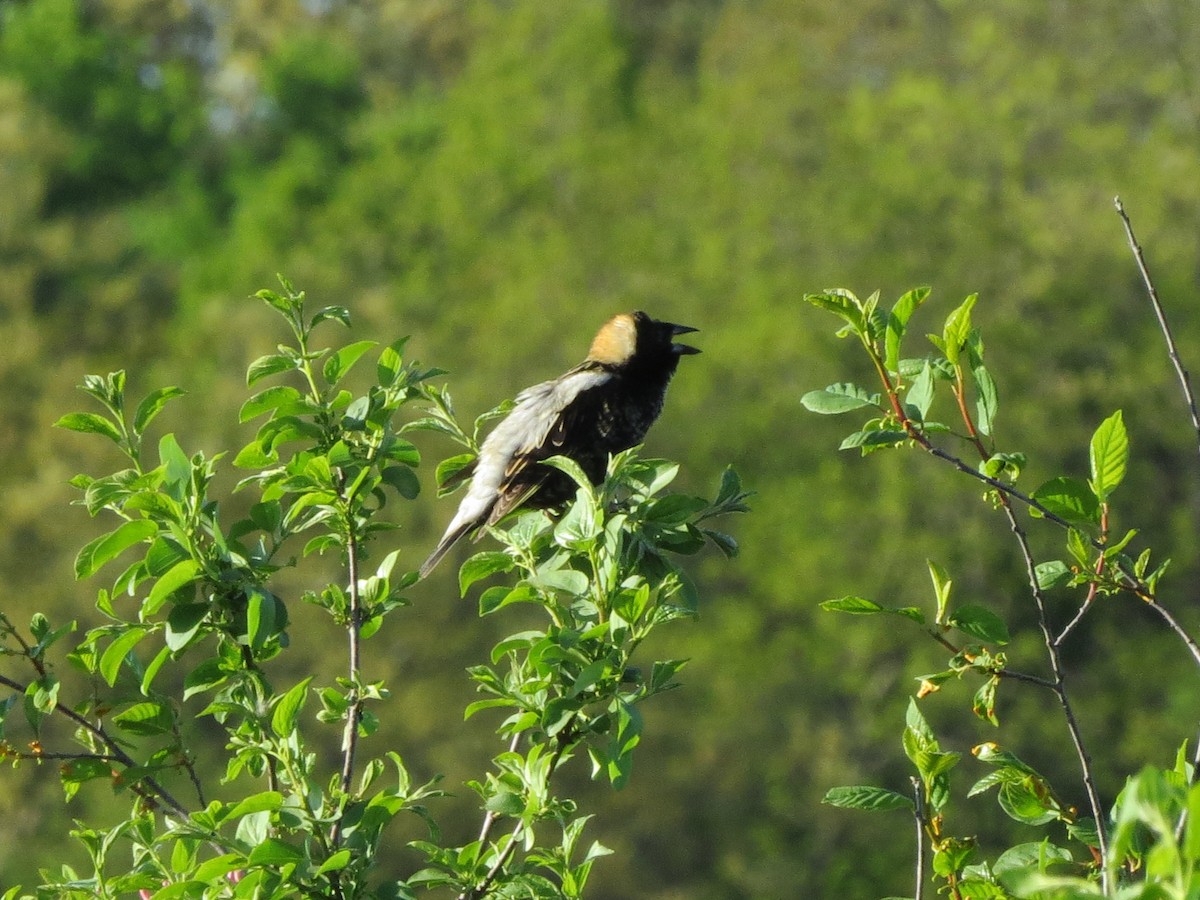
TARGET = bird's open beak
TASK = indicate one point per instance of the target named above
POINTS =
(683, 349)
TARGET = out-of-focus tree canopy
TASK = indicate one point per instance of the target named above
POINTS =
(496, 179)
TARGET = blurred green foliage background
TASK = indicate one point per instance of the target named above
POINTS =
(496, 179)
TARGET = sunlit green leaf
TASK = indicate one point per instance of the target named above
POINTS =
(838, 398)
(1109, 454)
(107, 547)
(90, 423)
(868, 798)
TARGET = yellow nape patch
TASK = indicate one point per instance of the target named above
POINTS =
(616, 342)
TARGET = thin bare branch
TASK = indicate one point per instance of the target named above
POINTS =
(490, 819)
(1185, 380)
(1174, 625)
(919, 816)
(1060, 690)
(354, 713)
(1076, 619)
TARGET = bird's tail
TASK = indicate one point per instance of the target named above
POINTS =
(449, 539)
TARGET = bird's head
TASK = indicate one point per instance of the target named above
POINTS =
(632, 337)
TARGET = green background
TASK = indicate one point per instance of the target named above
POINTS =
(496, 179)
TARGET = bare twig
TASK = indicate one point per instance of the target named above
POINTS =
(490, 819)
(1027, 678)
(919, 816)
(354, 713)
(1189, 396)
(1077, 618)
(1002, 673)
(1060, 690)
(1185, 380)
(1092, 588)
(1174, 625)
(1006, 489)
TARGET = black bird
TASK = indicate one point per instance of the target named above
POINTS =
(604, 405)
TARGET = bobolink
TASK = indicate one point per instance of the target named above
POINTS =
(604, 405)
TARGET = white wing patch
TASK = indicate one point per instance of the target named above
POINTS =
(522, 431)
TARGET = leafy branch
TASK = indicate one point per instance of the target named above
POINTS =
(195, 617)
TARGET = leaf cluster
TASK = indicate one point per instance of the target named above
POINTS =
(193, 623)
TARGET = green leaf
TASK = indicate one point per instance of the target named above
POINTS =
(941, 589)
(178, 576)
(952, 856)
(177, 468)
(402, 451)
(1052, 574)
(1008, 465)
(1025, 801)
(1069, 499)
(269, 400)
(391, 362)
(505, 803)
(255, 803)
(265, 366)
(860, 606)
(447, 473)
(273, 853)
(209, 674)
(1109, 455)
(866, 797)
(90, 423)
(482, 565)
(183, 623)
(984, 702)
(897, 324)
(211, 870)
(114, 655)
(335, 862)
(662, 673)
(254, 456)
(107, 547)
(344, 359)
(918, 736)
(402, 480)
(480, 705)
(500, 596)
(987, 402)
(573, 470)
(838, 398)
(674, 509)
(279, 302)
(152, 670)
(957, 329)
(873, 438)
(152, 405)
(287, 710)
(330, 313)
(566, 580)
(1030, 855)
(1191, 837)
(260, 617)
(145, 719)
(980, 622)
(920, 392)
(841, 303)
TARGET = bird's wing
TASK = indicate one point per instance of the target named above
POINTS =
(540, 423)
